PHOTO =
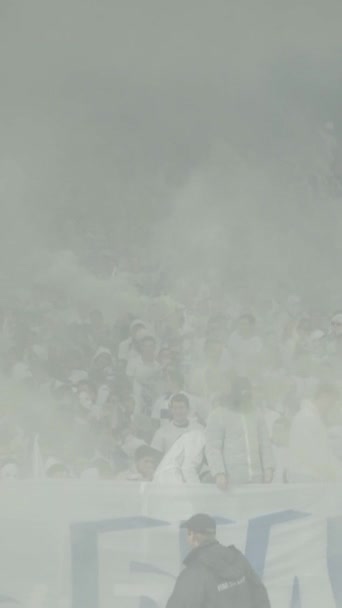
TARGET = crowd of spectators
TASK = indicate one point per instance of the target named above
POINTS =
(210, 391)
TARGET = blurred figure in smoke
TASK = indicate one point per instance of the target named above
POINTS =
(9, 469)
(299, 342)
(238, 446)
(214, 575)
(334, 341)
(98, 332)
(246, 347)
(146, 374)
(145, 463)
(55, 469)
(311, 456)
(102, 366)
(164, 358)
(209, 377)
(129, 348)
(178, 425)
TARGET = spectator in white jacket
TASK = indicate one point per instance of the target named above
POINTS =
(184, 460)
(179, 424)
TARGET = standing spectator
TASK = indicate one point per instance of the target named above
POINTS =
(245, 346)
(146, 374)
(209, 378)
(214, 575)
(238, 445)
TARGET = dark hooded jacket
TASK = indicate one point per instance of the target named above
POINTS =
(218, 577)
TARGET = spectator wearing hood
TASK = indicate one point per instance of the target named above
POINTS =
(174, 383)
(102, 367)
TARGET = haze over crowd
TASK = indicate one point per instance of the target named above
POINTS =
(198, 145)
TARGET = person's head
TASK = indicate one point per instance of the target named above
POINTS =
(86, 395)
(246, 326)
(102, 359)
(201, 529)
(336, 324)
(147, 348)
(136, 329)
(146, 460)
(179, 408)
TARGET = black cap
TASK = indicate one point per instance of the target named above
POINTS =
(201, 522)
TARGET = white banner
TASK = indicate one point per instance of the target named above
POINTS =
(103, 544)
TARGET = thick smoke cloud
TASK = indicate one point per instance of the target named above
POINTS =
(200, 120)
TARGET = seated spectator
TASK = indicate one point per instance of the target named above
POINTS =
(238, 446)
(178, 424)
(145, 463)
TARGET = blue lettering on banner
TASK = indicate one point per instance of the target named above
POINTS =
(258, 535)
(84, 553)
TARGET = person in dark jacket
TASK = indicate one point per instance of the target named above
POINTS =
(215, 576)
